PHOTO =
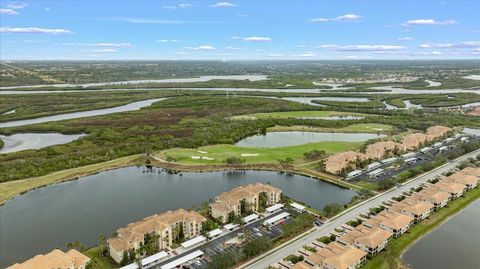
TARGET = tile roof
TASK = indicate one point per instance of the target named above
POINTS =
(56, 259)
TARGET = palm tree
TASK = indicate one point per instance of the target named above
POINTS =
(101, 243)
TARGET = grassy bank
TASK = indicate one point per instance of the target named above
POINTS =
(12, 188)
(390, 258)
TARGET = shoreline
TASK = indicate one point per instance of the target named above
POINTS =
(392, 255)
(19, 187)
(443, 221)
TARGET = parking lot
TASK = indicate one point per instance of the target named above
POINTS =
(390, 171)
(221, 244)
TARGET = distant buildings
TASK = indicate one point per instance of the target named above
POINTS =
(341, 162)
(242, 199)
(166, 226)
(56, 259)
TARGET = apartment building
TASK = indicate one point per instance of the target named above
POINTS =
(418, 210)
(248, 195)
(454, 189)
(380, 150)
(438, 198)
(371, 240)
(337, 256)
(390, 221)
(166, 226)
(56, 259)
(469, 181)
(339, 162)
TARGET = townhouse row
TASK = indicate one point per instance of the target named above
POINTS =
(352, 247)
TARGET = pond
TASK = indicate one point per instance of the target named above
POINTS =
(285, 139)
(42, 219)
(76, 115)
(454, 244)
(24, 141)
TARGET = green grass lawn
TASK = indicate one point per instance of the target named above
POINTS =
(98, 261)
(265, 155)
(296, 114)
(390, 258)
(353, 128)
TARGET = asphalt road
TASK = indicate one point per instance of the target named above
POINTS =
(284, 250)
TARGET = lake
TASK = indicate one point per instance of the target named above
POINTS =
(49, 217)
(24, 141)
(82, 114)
(285, 139)
(454, 244)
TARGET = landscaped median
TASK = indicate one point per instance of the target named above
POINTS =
(390, 258)
(12, 188)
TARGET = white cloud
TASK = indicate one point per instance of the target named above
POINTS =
(181, 5)
(430, 53)
(184, 5)
(306, 55)
(112, 45)
(257, 39)
(344, 17)
(362, 47)
(461, 45)
(203, 47)
(101, 51)
(223, 4)
(181, 53)
(236, 37)
(273, 55)
(407, 38)
(8, 11)
(301, 46)
(259, 50)
(17, 5)
(232, 48)
(167, 40)
(28, 30)
(428, 22)
(47, 9)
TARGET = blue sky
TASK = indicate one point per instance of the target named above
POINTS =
(230, 30)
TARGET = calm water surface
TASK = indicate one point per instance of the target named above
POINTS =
(284, 139)
(76, 115)
(454, 244)
(40, 220)
(24, 141)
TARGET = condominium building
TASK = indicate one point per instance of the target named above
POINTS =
(473, 171)
(166, 226)
(390, 221)
(371, 240)
(337, 256)
(469, 181)
(339, 162)
(454, 189)
(248, 196)
(56, 259)
(418, 210)
(436, 132)
(413, 141)
(438, 198)
(382, 149)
